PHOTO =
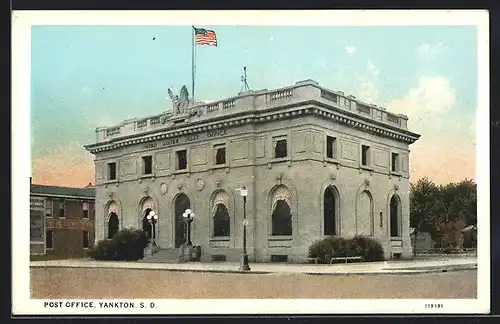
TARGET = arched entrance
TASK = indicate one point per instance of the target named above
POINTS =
(395, 216)
(181, 203)
(330, 211)
(113, 224)
(146, 224)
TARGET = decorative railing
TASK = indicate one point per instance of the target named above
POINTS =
(228, 104)
(112, 131)
(142, 123)
(364, 109)
(212, 107)
(155, 121)
(283, 94)
(392, 119)
(329, 96)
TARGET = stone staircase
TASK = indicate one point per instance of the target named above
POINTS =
(162, 256)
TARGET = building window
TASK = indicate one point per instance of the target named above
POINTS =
(331, 147)
(365, 155)
(395, 162)
(280, 147)
(396, 223)
(48, 208)
(220, 154)
(85, 210)
(86, 240)
(113, 225)
(112, 171)
(61, 210)
(281, 215)
(330, 211)
(49, 240)
(147, 164)
(181, 160)
(221, 221)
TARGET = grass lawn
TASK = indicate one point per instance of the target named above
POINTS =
(60, 256)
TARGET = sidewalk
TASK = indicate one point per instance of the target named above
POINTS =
(387, 267)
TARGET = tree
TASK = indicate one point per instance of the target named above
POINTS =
(443, 210)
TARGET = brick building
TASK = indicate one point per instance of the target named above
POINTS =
(62, 219)
(315, 162)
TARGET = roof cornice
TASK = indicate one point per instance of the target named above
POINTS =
(312, 107)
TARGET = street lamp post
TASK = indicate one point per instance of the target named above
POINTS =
(244, 260)
(152, 218)
(189, 217)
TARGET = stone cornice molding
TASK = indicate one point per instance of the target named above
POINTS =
(315, 109)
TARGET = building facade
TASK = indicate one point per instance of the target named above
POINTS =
(315, 163)
(62, 219)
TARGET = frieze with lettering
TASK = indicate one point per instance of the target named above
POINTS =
(187, 139)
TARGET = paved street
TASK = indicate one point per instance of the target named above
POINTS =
(435, 278)
(98, 283)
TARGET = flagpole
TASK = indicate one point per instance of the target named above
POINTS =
(193, 61)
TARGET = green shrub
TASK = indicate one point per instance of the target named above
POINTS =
(367, 248)
(126, 245)
(103, 250)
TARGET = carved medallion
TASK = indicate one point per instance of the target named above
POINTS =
(367, 182)
(218, 183)
(332, 176)
(200, 184)
(163, 188)
(396, 187)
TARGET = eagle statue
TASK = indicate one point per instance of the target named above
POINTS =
(179, 103)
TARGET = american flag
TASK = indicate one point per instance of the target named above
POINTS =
(205, 37)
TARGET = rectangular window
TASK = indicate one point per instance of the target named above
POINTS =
(395, 162)
(181, 160)
(331, 147)
(85, 240)
(365, 155)
(112, 171)
(280, 148)
(61, 210)
(48, 208)
(220, 154)
(147, 164)
(85, 210)
(49, 240)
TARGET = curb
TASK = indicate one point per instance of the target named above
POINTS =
(262, 272)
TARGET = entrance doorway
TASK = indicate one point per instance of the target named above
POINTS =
(146, 225)
(181, 204)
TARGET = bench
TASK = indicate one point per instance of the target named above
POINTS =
(346, 259)
(312, 260)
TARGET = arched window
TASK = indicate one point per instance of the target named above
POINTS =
(395, 211)
(181, 203)
(113, 225)
(330, 210)
(365, 221)
(280, 212)
(220, 214)
(113, 220)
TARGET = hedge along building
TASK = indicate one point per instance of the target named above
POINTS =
(315, 162)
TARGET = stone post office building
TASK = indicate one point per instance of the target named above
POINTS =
(315, 163)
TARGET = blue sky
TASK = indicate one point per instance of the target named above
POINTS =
(89, 76)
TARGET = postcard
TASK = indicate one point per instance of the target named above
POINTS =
(283, 162)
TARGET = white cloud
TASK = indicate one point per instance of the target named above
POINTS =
(86, 89)
(433, 95)
(432, 49)
(350, 49)
(367, 86)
